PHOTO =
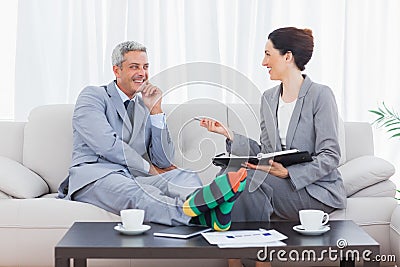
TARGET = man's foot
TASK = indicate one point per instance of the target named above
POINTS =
(222, 189)
(219, 218)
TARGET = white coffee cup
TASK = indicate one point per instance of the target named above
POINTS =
(313, 219)
(132, 218)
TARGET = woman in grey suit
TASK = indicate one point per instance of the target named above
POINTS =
(297, 114)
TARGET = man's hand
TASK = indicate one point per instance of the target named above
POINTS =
(275, 168)
(152, 97)
(216, 127)
(154, 170)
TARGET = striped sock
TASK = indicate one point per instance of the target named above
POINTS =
(223, 188)
(219, 218)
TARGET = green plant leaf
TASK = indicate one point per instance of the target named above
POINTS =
(387, 119)
(388, 122)
(393, 123)
(396, 135)
(393, 129)
(377, 112)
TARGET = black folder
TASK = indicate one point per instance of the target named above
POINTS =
(286, 158)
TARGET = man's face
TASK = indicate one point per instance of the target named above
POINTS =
(133, 73)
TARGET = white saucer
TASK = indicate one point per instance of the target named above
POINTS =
(143, 228)
(300, 229)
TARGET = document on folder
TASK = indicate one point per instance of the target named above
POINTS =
(245, 238)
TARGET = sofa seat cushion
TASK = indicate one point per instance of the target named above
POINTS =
(375, 213)
(20, 182)
(365, 171)
(49, 213)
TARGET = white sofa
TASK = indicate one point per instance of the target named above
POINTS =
(35, 156)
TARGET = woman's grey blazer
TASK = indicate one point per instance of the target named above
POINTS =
(313, 127)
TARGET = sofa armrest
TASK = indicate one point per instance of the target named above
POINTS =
(395, 234)
(20, 182)
(4, 195)
(382, 189)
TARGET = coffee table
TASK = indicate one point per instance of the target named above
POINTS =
(99, 240)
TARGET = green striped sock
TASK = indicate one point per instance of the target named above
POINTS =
(223, 188)
(219, 218)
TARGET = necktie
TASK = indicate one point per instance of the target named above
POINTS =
(130, 108)
(126, 103)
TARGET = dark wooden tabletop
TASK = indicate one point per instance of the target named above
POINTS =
(100, 240)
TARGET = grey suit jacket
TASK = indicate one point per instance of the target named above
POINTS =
(313, 128)
(105, 141)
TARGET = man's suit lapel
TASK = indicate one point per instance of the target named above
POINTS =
(119, 105)
(294, 120)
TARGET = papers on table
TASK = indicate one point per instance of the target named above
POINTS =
(253, 245)
(182, 231)
(245, 238)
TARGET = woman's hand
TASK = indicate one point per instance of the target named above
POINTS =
(275, 168)
(216, 127)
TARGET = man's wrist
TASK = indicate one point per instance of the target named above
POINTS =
(156, 110)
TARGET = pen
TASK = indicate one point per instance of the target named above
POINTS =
(197, 119)
(255, 234)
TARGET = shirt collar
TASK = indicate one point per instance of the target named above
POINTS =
(123, 96)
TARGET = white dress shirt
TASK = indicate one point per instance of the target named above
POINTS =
(285, 111)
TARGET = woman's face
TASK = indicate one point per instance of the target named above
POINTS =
(274, 61)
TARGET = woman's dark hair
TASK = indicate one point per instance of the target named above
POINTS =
(299, 42)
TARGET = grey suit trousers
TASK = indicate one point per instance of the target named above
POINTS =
(273, 196)
(161, 196)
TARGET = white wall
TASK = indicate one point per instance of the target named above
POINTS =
(8, 32)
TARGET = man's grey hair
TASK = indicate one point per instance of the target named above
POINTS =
(120, 50)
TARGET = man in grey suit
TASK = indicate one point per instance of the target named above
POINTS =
(122, 161)
(122, 153)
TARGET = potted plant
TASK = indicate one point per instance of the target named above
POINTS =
(389, 120)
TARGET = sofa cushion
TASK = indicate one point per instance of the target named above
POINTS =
(362, 172)
(194, 145)
(48, 143)
(49, 213)
(12, 139)
(20, 182)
